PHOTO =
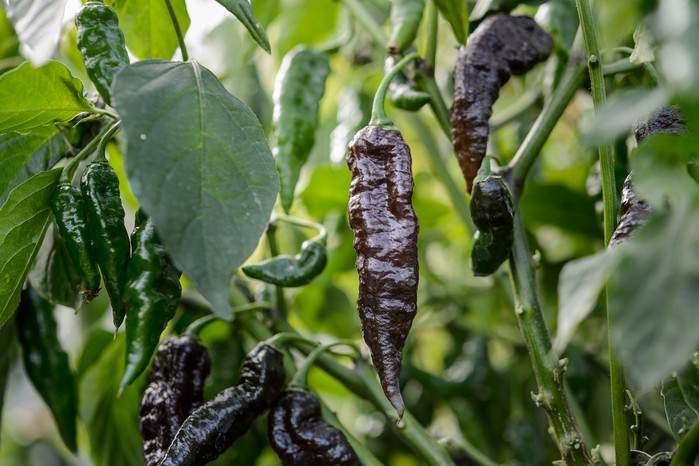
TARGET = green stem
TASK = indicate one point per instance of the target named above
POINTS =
(69, 170)
(439, 107)
(365, 18)
(606, 156)
(322, 232)
(274, 251)
(198, 325)
(514, 111)
(432, 20)
(178, 30)
(688, 449)
(102, 147)
(300, 379)
(378, 114)
(547, 368)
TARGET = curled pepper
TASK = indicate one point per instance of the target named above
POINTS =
(101, 44)
(385, 238)
(214, 426)
(110, 241)
(501, 46)
(175, 390)
(404, 93)
(46, 363)
(151, 297)
(71, 217)
(405, 19)
(298, 89)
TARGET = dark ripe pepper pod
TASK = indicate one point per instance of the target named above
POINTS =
(151, 297)
(385, 238)
(175, 390)
(101, 44)
(214, 426)
(404, 93)
(110, 241)
(291, 271)
(501, 46)
(46, 363)
(71, 217)
(405, 20)
(300, 437)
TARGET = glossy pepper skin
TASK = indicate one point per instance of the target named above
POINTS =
(212, 429)
(175, 390)
(385, 239)
(404, 93)
(501, 46)
(110, 241)
(101, 44)
(71, 217)
(46, 364)
(299, 436)
(151, 297)
(290, 271)
(298, 89)
(405, 20)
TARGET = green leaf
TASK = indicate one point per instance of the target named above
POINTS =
(643, 48)
(147, 27)
(112, 422)
(38, 26)
(243, 11)
(654, 295)
(7, 344)
(454, 11)
(23, 222)
(300, 24)
(33, 97)
(681, 399)
(199, 164)
(53, 275)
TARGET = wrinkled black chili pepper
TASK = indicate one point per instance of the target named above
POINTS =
(500, 47)
(300, 437)
(175, 389)
(385, 238)
(214, 426)
(666, 120)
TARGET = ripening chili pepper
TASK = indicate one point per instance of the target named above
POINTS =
(501, 46)
(404, 93)
(214, 426)
(291, 271)
(150, 298)
(110, 241)
(71, 217)
(385, 238)
(46, 363)
(175, 390)
(666, 120)
(298, 89)
(405, 19)
(300, 437)
(101, 44)
(493, 214)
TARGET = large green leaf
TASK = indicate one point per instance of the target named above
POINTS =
(681, 398)
(454, 11)
(147, 27)
(199, 164)
(38, 25)
(23, 222)
(243, 11)
(33, 97)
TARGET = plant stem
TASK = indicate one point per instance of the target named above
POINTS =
(688, 449)
(378, 114)
(547, 368)
(426, 81)
(606, 156)
(512, 112)
(365, 18)
(432, 20)
(178, 30)
(69, 169)
(274, 251)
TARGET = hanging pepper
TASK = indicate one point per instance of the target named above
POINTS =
(404, 93)
(385, 237)
(175, 390)
(501, 46)
(101, 44)
(298, 89)
(150, 299)
(46, 363)
(214, 426)
(405, 19)
(71, 217)
(493, 214)
(110, 241)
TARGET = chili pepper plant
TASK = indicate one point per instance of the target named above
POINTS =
(377, 232)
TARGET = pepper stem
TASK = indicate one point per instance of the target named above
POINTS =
(69, 169)
(378, 115)
(178, 30)
(300, 378)
(281, 338)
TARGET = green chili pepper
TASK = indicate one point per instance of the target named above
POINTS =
(405, 20)
(46, 363)
(404, 93)
(291, 271)
(298, 90)
(110, 241)
(150, 299)
(71, 217)
(101, 44)
(493, 213)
